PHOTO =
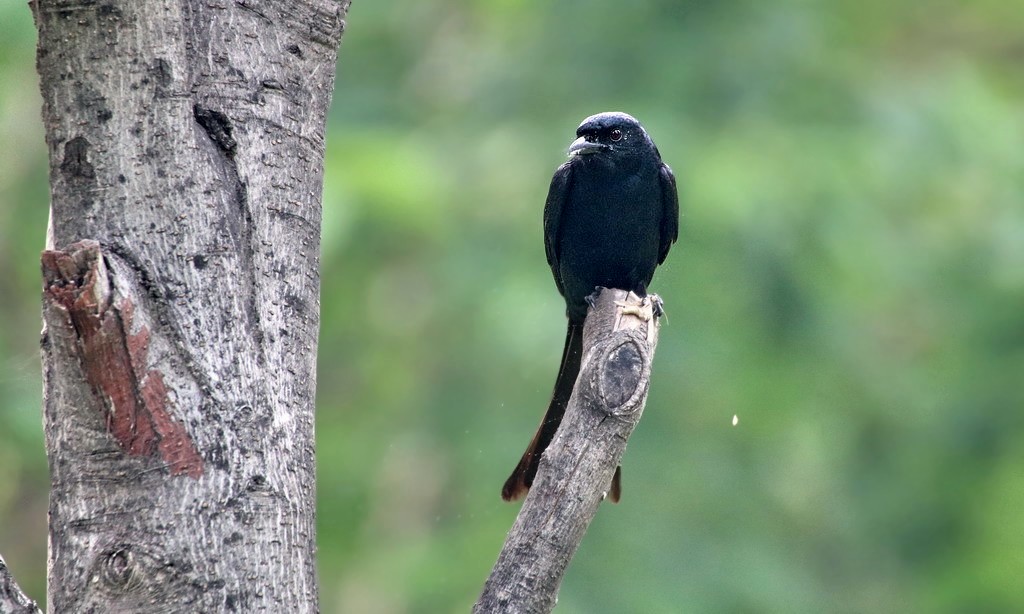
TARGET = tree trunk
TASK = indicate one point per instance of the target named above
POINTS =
(619, 338)
(181, 299)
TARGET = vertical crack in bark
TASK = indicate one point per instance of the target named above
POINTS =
(217, 126)
(135, 399)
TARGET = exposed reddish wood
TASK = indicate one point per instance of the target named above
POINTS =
(173, 441)
(134, 398)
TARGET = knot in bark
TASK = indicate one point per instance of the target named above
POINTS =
(621, 382)
(118, 569)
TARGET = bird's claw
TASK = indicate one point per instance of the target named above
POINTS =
(648, 311)
(657, 305)
(643, 311)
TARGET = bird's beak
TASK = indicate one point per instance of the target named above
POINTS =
(582, 146)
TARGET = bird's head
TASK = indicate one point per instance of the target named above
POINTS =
(611, 132)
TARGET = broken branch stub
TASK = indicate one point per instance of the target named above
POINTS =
(619, 338)
(96, 319)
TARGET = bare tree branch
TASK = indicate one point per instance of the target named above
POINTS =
(12, 599)
(576, 470)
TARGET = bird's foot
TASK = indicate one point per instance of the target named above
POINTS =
(647, 310)
(644, 309)
(644, 312)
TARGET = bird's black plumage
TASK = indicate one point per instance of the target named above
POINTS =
(611, 215)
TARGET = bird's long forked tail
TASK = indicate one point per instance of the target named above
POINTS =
(522, 476)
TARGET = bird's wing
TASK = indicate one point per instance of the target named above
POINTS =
(557, 194)
(669, 211)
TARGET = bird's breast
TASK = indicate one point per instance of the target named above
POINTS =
(610, 232)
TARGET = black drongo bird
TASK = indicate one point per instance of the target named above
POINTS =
(611, 216)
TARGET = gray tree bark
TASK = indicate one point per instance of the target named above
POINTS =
(619, 338)
(181, 299)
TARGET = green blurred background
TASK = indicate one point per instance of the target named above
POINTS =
(849, 282)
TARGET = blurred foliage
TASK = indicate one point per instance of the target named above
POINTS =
(849, 282)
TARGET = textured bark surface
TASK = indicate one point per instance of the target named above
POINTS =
(181, 299)
(576, 470)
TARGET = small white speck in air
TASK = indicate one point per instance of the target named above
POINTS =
(735, 419)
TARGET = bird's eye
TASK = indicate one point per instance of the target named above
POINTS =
(615, 135)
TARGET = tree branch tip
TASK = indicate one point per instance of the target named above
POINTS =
(12, 598)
